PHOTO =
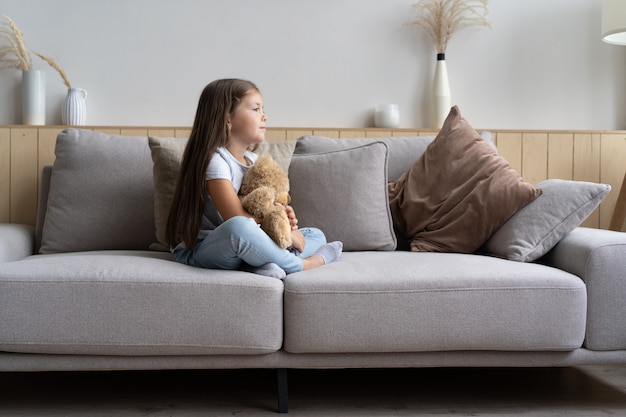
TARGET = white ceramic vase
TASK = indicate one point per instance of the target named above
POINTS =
(387, 115)
(441, 92)
(74, 110)
(33, 97)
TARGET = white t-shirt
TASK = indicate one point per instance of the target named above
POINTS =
(223, 165)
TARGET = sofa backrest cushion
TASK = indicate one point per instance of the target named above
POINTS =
(403, 150)
(101, 194)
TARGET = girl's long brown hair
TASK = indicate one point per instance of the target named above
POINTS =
(210, 131)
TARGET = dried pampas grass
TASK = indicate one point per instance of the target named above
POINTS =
(57, 67)
(14, 55)
(443, 18)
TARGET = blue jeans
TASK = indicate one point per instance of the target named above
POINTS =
(240, 239)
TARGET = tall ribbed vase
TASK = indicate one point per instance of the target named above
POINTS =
(33, 97)
(74, 110)
(441, 92)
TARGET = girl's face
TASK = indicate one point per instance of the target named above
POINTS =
(247, 122)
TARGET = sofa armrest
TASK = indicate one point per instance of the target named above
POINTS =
(598, 257)
(17, 241)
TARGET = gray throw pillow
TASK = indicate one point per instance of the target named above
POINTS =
(536, 228)
(344, 193)
(101, 194)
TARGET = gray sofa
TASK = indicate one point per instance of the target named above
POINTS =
(84, 291)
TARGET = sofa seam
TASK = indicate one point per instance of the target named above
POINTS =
(160, 283)
(134, 345)
(441, 290)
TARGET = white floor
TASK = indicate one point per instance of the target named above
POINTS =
(584, 391)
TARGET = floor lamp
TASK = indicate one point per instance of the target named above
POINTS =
(614, 32)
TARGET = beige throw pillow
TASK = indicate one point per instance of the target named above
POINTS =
(167, 154)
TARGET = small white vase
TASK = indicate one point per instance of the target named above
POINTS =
(74, 110)
(33, 97)
(387, 115)
(441, 92)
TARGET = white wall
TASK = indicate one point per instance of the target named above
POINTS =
(322, 63)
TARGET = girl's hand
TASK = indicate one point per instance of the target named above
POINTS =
(297, 240)
(291, 214)
(297, 237)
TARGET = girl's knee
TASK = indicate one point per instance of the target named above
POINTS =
(315, 234)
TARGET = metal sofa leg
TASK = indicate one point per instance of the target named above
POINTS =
(283, 395)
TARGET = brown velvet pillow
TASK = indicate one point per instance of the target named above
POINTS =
(457, 193)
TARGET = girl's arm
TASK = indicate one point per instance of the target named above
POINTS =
(226, 200)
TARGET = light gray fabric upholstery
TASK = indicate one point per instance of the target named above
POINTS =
(537, 227)
(403, 150)
(599, 258)
(135, 303)
(101, 194)
(20, 362)
(344, 193)
(412, 302)
(42, 204)
(17, 241)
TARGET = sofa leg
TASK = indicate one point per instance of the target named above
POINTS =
(283, 396)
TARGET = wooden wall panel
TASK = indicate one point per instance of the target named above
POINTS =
(182, 133)
(352, 134)
(586, 157)
(534, 157)
(612, 170)
(162, 133)
(586, 166)
(327, 133)
(379, 134)
(47, 140)
(580, 155)
(406, 133)
(24, 174)
(110, 130)
(560, 155)
(273, 136)
(510, 148)
(5, 175)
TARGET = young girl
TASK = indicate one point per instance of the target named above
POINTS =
(207, 226)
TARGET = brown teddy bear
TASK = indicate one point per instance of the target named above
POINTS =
(263, 185)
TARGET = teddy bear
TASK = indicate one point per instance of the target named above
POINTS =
(264, 185)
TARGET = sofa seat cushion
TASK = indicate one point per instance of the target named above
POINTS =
(416, 302)
(135, 303)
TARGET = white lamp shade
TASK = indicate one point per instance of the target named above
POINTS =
(614, 21)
